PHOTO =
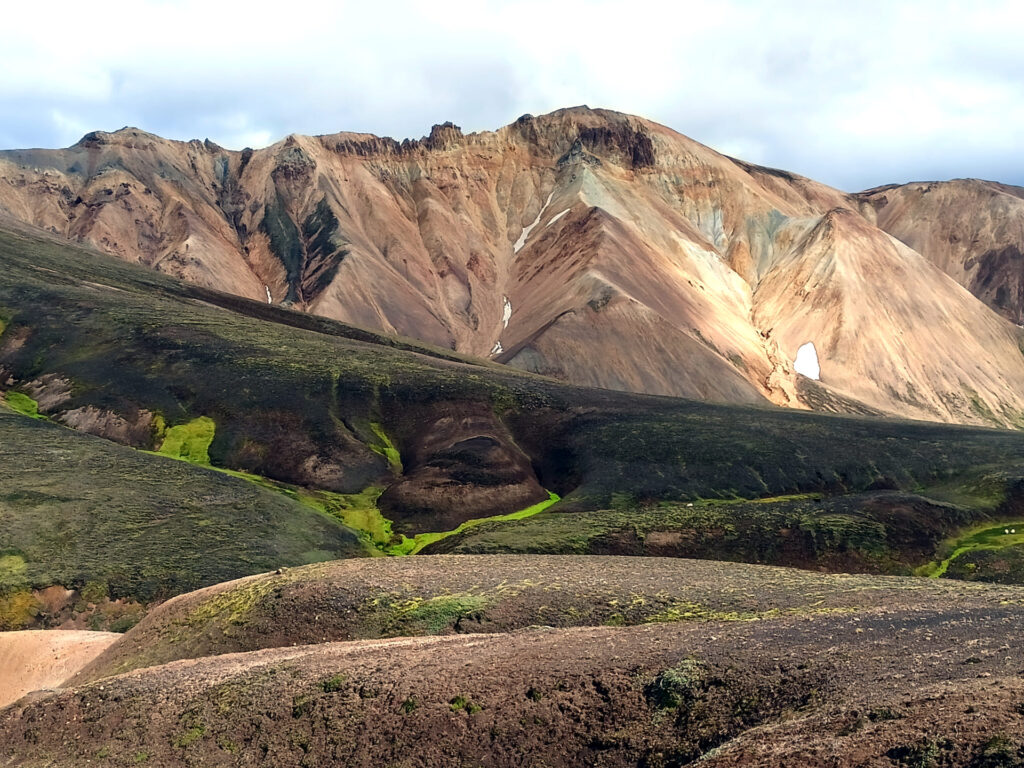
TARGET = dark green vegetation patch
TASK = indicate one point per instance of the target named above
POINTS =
(76, 509)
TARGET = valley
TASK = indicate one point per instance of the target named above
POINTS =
(570, 443)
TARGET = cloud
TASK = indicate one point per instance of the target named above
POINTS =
(851, 94)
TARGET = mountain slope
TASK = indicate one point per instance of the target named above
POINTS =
(972, 230)
(595, 247)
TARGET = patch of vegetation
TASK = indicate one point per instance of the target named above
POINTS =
(386, 448)
(462, 704)
(987, 537)
(676, 686)
(18, 607)
(135, 521)
(867, 532)
(410, 705)
(23, 404)
(999, 752)
(924, 754)
(423, 540)
(333, 684)
(429, 616)
(189, 442)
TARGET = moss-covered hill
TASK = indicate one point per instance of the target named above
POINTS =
(77, 510)
(401, 440)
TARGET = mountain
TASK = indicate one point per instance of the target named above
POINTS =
(970, 229)
(594, 247)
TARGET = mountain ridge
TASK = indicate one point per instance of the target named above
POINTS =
(596, 247)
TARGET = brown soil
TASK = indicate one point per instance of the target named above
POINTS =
(892, 671)
(445, 594)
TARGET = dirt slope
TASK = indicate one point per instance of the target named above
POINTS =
(486, 594)
(972, 230)
(34, 659)
(597, 247)
(880, 683)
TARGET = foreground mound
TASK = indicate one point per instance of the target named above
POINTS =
(884, 683)
(352, 600)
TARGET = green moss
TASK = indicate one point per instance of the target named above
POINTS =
(386, 448)
(232, 606)
(24, 405)
(18, 608)
(189, 442)
(422, 540)
(430, 616)
(13, 572)
(333, 684)
(984, 537)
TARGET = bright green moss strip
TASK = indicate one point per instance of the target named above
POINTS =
(386, 449)
(24, 405)
(987, 537)
(423, 539)
(190, 442)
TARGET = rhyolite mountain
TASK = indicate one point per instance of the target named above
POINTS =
(595, 247)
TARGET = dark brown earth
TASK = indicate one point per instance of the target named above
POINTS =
(450, 594)
(654, 695)
(842, 671)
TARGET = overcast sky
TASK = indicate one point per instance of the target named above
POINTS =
(854, 94)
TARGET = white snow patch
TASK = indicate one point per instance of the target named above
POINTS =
(498, 349)
(506, 313)
(806, 362)
(556, 217)
(526, 232)
(269, 299)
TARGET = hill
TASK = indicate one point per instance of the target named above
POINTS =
(881, 673)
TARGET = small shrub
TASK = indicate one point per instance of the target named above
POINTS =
(462, 703)
(409, 705)
(333, 684)
(924, 754)
(999, 752)
(676, 685)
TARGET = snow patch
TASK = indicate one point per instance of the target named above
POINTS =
(526, 232)
(556, 217)
(506, 313)
(269, 299)
(806, 363)
(498, 349)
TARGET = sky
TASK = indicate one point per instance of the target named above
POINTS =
(851, 94)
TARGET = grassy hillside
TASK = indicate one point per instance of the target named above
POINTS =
(400, 439)
(77, 510)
